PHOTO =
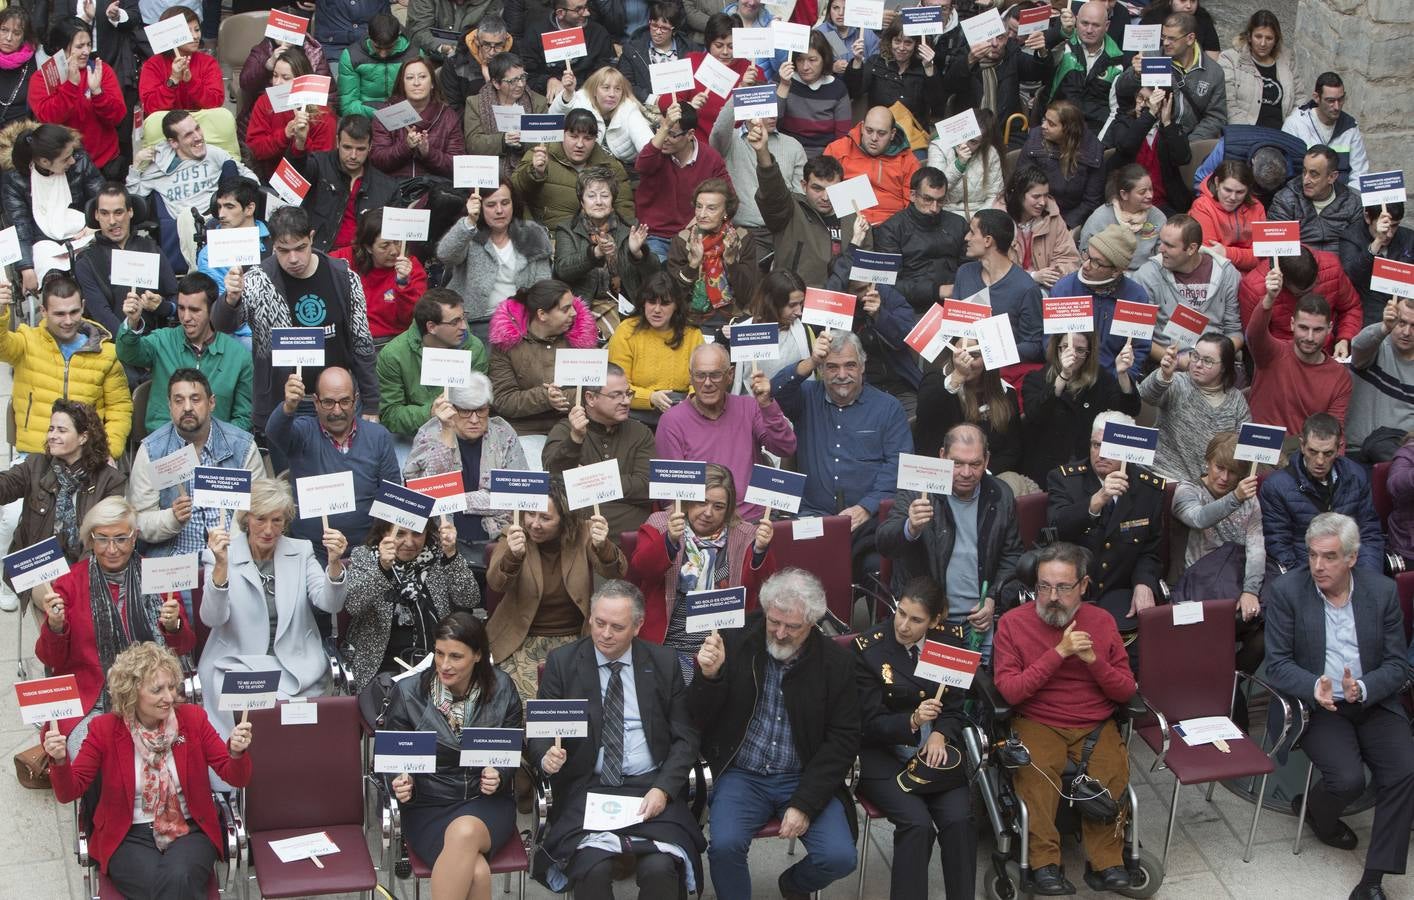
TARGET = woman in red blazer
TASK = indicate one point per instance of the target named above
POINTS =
(155, 830)
(95, 611)
(704, 547)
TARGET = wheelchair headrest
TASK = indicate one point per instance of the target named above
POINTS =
(141, 211)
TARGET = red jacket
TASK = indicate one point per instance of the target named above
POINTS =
(66, 103)
(655, 574)
(707, 115)
(1231, 229)
(443, 127)
(204, 91)
(1331, 282)
(75, 649)
(389, 303)
(267, 139)
(108, 752)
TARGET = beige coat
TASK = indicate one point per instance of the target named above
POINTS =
(1244, 85)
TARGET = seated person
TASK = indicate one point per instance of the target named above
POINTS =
(438, 321)
(802, 221)
(1102, 277)
(1193, 406)
(1065, 148)
(254, 76)
(1116, 513)
(965, 391)
(779, 298)
(291, 133)
(1129, 201)
(165, 837)
(1399, 481)
(993, 266)
(428, 147)
(1381, 409)
(368, 68)
(901, 71)
(86, 627)
(182, 78)
(599, 46)
(662, 40)
(1043, 247)
(878, 148)
(45, 192)
(505, 86)
(548, 174)
(600, 429)
(606, 94)
(544, 571)
(1146, 129)
(1295, 378)
(457, 817)
(749, 683)
(343, 185)
(641, 741)
(1061, 666)
(1057, 399)
(973, 168)
(901, 720)
(334, 439)
(1380, 236)
(713, 258)
(599, 254)
(930, 240)
(716, 42)
(1317, 479)
(234, 207)
(1349, 656)
(1225, 208)
(1316, 198)
(654, 348)
(106, 302)
(734, 143)
(262, 590)
(697, 547)
(973, 527)
(1310, 272)
(462, 435)
(392, 281)
(671, 167)
(814, 103)
(87, 98)
(882, 319)
(465, 72)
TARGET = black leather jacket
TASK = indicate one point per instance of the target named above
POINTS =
(85, 181)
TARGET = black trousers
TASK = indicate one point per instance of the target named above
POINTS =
(1341, 744)
(141, 872)
(918, 819)
(659, 877)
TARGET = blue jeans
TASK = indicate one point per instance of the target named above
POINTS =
(659, 246)
(742, 803)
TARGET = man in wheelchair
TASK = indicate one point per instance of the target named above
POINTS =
(1062, 665)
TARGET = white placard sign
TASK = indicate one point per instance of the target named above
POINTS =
(982, 27)
(471, 171)
(166, 574)
(924, 474)
(956, 129)
(168, 34)
(1142, 38)
(406, 224)
(325, 495)
(445, 367)
(10, 246)
(397, 115)
(864, 14)
(852, 195)
(174, 468)
(716, 77)
(593, 484)
(135, 269)
(671, 77)
(998, 343)
(581, 368)
(227, 247)
(610, 812)
(753, 43)
(791, 37)
(507, 117)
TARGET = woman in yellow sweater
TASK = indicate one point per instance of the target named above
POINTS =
(654, 346)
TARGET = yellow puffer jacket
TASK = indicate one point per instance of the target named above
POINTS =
(93, 375)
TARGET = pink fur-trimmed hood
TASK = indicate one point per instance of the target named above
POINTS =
(508, 326)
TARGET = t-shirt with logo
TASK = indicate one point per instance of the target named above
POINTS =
(1193, 288)
(314, 304)
(1269, 111)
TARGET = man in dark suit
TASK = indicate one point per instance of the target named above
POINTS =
(1347, 653)
(641, 745)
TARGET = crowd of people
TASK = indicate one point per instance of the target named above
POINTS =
(655, 225)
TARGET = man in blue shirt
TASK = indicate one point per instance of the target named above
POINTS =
(1010, 290)
(848, 437)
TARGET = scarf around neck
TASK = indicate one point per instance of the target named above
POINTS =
(161, 793)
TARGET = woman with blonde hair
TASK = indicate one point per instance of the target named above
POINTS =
(1072, 158)
(262, 590)
(156, 832)
(623, 123)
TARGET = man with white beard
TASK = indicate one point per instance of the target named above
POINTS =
(1064, 669)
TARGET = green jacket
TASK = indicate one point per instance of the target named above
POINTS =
(226, 364)
(365, 80)
(405, 404)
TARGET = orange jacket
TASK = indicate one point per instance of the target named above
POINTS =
(1231, 229)
(889, 172)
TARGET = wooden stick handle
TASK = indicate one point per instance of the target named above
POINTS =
(325, 521)
(942, 689)
(1253, 470)
(245, 716)
(515, 517)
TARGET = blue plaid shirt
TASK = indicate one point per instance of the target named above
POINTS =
(769, 746)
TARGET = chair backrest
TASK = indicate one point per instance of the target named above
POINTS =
(1201, 150)
(628, 542)
(1379, 493)
(1175, 533)
(828, 558)
(1186, 671)
(238, 36)
(307, 776)
(886, 565)
(140, 399)
(845, 640)
(1031, 517)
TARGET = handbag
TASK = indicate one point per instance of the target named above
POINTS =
(1090, 798)
(32, 768)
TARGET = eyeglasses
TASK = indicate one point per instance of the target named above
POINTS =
(709, 376)
(519, 79)
(675, 135)
(491, 45)
(1206, 362)
(655, 25)
(329, 404)
(619, 396)
(458, 323)
(1094, 263)
(103, 541)
(1058, 590)
(471, 415)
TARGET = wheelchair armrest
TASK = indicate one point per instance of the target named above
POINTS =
(877, 593)
(1135, 708)
(1165, 733)
(544, 803)
(81, 838)
(987, 690)
(1165, 592)
(339, 667)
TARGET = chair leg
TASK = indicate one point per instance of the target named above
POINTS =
(1211, 785)
(521, 882)
(1256, 811)
(863, 854)
(1301, 817)
(1173, 814)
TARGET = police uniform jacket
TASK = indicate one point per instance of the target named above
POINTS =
(1125, 538)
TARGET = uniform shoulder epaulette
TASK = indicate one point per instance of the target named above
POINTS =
(866, 638)
(1074, 469)
(1158, 481)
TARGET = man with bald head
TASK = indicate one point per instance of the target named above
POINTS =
(1088, 63)
(729, 429)
(335, 440)
(879, 150)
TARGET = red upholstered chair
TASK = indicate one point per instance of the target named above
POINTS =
(1187, 672)
(509, 860)
(827, 558)
(309, 778)
(97, 886)
(1030, 517)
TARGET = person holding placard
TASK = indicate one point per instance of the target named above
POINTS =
(1296, 378)
(930, 240)
(233, 207)
(598, 253)
(261, 592)
(393, 282)
(640, 743)
(183, 77)
(255, 73)
(878, 148)
(994, 267)
(1199, 104)
(713, 258)
(779, 713)
(44, 192)
(156, 833)
(291, 132)
(1313, 272)
(623, 124)
(654, 348)
(1380, 241)
(368, 69)
(1061, 399)
(1129, 201)
(106, 299)
(1062, 668)
(806, 232)
(717, 39)
(566, 14)
(65, 356)
(1042, 247)
(659, 41)
(902, 72)
(544, 569)
(886, 657)
(1326, 208)
(426, 148)
(457, 817)
(438, 323)
(973, 168)
(1322, 120)
(851, 45)
(1145, 130)
(342, 184)
(66, 91)
(99, 609)
(1184, 273)
(672, 167)
(1102, 278)
(504, 86)
(548, 174)
(1194, 404)
(1116, 512)
(1087, 63)
(814, 103)
(402, 583)
(779, 298)
(1381, 413)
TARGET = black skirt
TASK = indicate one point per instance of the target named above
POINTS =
(425, 826)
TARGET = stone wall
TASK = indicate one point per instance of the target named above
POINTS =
(1371, 44)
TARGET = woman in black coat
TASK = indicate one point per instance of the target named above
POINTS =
(17, 63)
(964, 391)
(903, 71)
(1140, 111)
(39, 157)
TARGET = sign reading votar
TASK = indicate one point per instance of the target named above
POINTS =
(775, 488)
(498, 747)
(556, 718)
(720, 608)
(1129, 443)
(404, 752)
(402, 506)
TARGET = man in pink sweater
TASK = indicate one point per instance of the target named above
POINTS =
(1295, 377)
(1061, 663)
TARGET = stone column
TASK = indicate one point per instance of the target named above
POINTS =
(1371, 44)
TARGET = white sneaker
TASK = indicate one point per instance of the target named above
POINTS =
(8, 601)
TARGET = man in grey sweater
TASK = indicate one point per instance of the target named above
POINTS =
(729, 139)
(1382, 386)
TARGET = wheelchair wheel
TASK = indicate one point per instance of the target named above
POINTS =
(1005, 888)
(1149, 879)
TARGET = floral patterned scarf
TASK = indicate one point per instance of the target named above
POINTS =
(713, 290)
(160, 791)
